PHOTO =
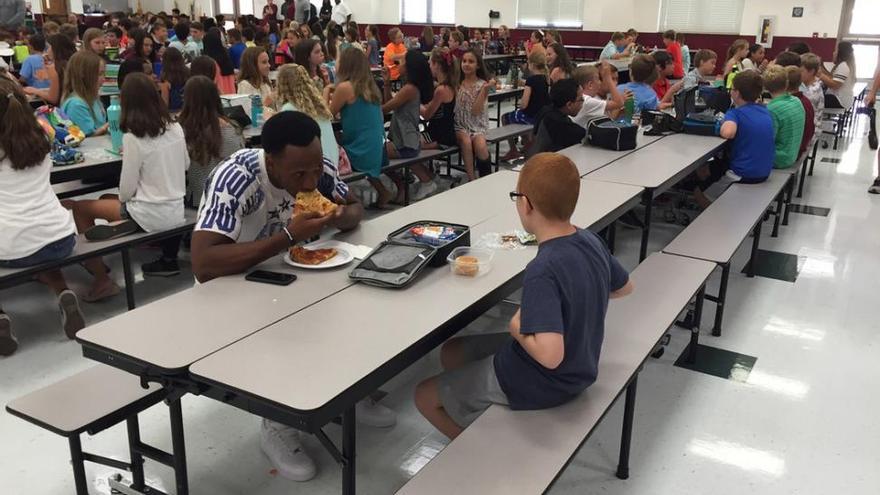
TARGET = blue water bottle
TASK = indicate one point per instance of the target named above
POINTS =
(114, 112)
(256, 111)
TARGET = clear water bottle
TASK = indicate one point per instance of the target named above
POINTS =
(256, 110)
(114, 112)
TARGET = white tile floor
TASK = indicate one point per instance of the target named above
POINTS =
(805, 422)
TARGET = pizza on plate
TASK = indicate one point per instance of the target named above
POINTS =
(305, 256)
(313, 201)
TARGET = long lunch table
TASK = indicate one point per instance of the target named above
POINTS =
(504, 94)
(185, 341)
(657, 168)
(591, 158)
(98, 162)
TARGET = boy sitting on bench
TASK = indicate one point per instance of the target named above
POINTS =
(551, 350)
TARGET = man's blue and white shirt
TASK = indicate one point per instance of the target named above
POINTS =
(241, 203)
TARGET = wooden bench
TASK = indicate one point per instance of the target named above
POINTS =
(498, 134)
(94, 400)
(716, 234)
(85, 250)
(487, 458)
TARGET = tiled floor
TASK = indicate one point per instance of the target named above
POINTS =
(804, 421)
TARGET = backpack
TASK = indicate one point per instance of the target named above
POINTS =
(612, 135)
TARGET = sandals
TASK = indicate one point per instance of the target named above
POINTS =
(107, 292)
(111, 230)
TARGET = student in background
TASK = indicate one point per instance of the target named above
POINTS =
(310, 55)
(34, 72)
(36, 228)
(811, 87)
(113, 49)
(172, 79)
(595, 83)
(704, 69)
(792, 63)
(151, 186)
(662, 87)
(248, 34)
(456, 44)
(395, 52)
(187, 47)
(554, 128)
(142, 48)
(371, 33)
(358, 100)
(788, 117)
(204, 65)
(440, 112)
(612, 50)
(471, 114)
(82, 83)
(558, 62)
(632, 37)
(297, 94)
(799, 47)
(749, 128)
(550, 352)
(735, 55)
(685, 52)
(642, 73)
(351, 40)
(536, 95)
(253, 78)
(535, 42)
(210, 136)
(841, 80)
(674, 50)
(94, 41)
(225, 78)
(58, 53)
(236, 47)
(755, 60)
(404, 106)
(426, 41)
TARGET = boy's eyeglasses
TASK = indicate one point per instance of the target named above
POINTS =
(514, 195)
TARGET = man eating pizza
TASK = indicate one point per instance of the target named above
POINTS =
(247, 216)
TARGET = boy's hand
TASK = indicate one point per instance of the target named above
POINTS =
(675, 88)
(628, 94)
(386, 73)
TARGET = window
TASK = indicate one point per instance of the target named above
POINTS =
(427, 11)
(702, 16)
(864, 18)
(550, 13)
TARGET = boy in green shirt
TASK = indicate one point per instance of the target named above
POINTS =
(788, 117)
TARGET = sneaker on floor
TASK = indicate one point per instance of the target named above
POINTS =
(425, 189)
(8, 342)
(111, 230)
(371, 413)
(72, 319)
(161, 268)
(875, 187)
(282, 446)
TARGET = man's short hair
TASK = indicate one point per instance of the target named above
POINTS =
(794, 78)
(632, 32)
(552, 184)
(662, 58)
(562, 92)
(617, 36)
(787, 59)
(669, 34)
(643, 69)
(276, 131)
(181, 30)
(704, 56)
(248, 33)
(114, 31)
(37, 42)
(69, 30)
(749, 85)
(775, 79)
(811, 61)
(233, 34)
(197, 25)
(799, 47)
(585, 74)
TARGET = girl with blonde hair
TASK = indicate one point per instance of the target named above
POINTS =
(296, 93)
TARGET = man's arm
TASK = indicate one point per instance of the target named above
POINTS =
(871, 97)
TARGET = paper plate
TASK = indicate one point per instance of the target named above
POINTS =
(342, 258)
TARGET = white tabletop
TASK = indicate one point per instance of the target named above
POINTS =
(287, 362)
(95, 153)
(653, 166)
(591, 158)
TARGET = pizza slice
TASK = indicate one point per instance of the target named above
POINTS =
(305, 256)
(313, 201)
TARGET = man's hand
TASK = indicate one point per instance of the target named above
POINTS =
(309, 224)
(870, 98)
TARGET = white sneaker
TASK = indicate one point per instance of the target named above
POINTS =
(72, 319)
(371, 413)
(425, 189)
(282, 446)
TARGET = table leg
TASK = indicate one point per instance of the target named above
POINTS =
(695, 325)
(137, 460)
(129, 278)
(178, 447)
(722, 296)
(756, 239)
(646, 230)
(626, 436)
(780, 204)
(79, 468)
(789, 195)
(349, 431)
(612, 235)
(803, 177)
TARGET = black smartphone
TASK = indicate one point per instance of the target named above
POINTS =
(267, 277)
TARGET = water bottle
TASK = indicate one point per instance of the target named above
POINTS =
(629, 108)
(114, 112)
(256, 110)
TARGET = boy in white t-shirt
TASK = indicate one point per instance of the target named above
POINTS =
(596, 82)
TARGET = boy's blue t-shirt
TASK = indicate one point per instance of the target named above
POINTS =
(645, 97)
(753, 149)
(34, 72)
(235, 52)
(565, 290)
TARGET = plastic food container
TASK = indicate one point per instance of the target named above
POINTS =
(470, 261)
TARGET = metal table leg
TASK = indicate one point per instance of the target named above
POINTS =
(646, 230)
(626, 436)
(349, 431)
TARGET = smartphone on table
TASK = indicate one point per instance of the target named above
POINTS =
(267, 277)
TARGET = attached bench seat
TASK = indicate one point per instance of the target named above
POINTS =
(399, 163)
(498, 134)
(716, 234)
(85, 250)
(487, 458)
(92, 401)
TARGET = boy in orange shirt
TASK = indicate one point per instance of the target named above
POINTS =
(395, 52)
